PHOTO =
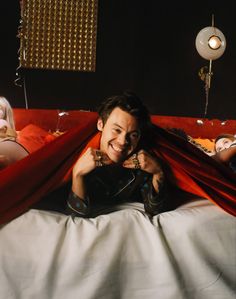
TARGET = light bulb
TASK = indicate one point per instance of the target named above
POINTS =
(214, 42)
(210, 43)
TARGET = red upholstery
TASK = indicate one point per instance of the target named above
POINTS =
(48, 120)
(32, 137)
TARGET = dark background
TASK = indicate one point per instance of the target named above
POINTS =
(145, 46)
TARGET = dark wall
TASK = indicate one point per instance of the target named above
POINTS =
(145, 46)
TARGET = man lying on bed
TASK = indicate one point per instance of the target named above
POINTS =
(120, 164)
(116, 166)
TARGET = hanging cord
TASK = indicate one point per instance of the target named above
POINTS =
(25, 94)
(21, 82)
(205, 75)
(207, 80)
(207, 98)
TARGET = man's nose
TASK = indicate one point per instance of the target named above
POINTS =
(123, 139)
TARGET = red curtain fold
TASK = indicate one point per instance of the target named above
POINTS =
(25, 182)
(195, 172)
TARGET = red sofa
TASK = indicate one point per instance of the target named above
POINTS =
(37, 127)
(48, 120)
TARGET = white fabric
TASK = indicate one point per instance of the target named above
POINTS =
(186, 253)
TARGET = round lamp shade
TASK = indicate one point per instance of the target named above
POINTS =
(210, 43)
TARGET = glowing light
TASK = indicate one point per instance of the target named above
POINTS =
(210, 43)
(214, 42)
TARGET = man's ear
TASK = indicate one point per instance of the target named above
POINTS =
(100, 124)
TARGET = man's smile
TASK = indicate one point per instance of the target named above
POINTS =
(117, 148)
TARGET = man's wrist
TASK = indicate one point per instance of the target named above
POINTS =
(78, 205)
(158, 180)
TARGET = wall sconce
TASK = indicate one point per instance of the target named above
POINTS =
(210, 44)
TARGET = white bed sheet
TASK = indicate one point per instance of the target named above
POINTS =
(185, 253)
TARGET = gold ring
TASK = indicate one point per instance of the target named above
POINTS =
(98, 163)
(99, 156)
(136, 161)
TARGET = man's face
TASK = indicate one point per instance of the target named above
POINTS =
(222, 144)
(120, 135)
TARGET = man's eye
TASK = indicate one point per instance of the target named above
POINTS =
(115, 130)
(134, 136)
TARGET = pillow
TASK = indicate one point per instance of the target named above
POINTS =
(33, 137)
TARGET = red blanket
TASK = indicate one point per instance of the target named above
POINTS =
(25, 182)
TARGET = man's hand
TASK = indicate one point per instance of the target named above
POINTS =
(144, 161)
(91, 159)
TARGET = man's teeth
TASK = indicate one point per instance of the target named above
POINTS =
(118, 149)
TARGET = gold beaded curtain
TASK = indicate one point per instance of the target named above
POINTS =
(59, 34)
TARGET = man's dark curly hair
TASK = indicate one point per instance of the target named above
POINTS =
(128, 102)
